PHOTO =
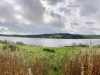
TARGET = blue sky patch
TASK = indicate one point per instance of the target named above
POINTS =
(62, 9)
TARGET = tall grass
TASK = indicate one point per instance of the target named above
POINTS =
(83, 65)
(10, 64)
(13, 64)
(87, 63)
(23, 64)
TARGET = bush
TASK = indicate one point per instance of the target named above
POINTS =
(3, 41)
(98, 45)
(10, 46)
(74, 44)
(6, 42)
(83, 45)
(48, 50)
(19, 43)
(79, 45)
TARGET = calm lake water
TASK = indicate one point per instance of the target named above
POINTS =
(50, 42)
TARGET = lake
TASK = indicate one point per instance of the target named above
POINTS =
(50, 42)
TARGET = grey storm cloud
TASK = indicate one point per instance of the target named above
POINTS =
(85, 14)
(3, 30)
(88, 7)
(86, 31)
(52, 16)
(74, 24)
(88, 10)
(16, 28)
(89, 22)
(55, 15)
(57, 20)
(31, 10)
(7, 12)
(53, 2)
(23, 15)
(74, 6)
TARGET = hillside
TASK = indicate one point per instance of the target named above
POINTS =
(57, 35)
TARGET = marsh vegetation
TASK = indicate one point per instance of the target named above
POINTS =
(21, 59)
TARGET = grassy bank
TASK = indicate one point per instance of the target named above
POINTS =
(34, 60)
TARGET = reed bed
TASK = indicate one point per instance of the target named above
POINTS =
(14, 64)
(87, 63)
(82, 65)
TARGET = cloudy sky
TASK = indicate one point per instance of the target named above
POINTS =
(49, 16)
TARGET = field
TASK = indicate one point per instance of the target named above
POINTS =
(35, 60)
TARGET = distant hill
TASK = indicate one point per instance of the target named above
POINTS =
(57, 35)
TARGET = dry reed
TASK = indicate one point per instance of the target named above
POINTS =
(79, 64)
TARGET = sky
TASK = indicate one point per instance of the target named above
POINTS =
(50, 16)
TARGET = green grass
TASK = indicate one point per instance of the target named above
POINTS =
(59, 51)
(53, 58)
(29, 53)
(52, 62)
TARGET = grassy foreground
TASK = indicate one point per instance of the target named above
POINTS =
(32, 60)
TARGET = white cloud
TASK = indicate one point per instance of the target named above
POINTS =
(50, 16)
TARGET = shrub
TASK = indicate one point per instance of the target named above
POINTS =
(98, 45)
(6, 42)
(74, 44)
(10, 46)
(19, 43)
(82, 45)
(48, 50)
(3, 41)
